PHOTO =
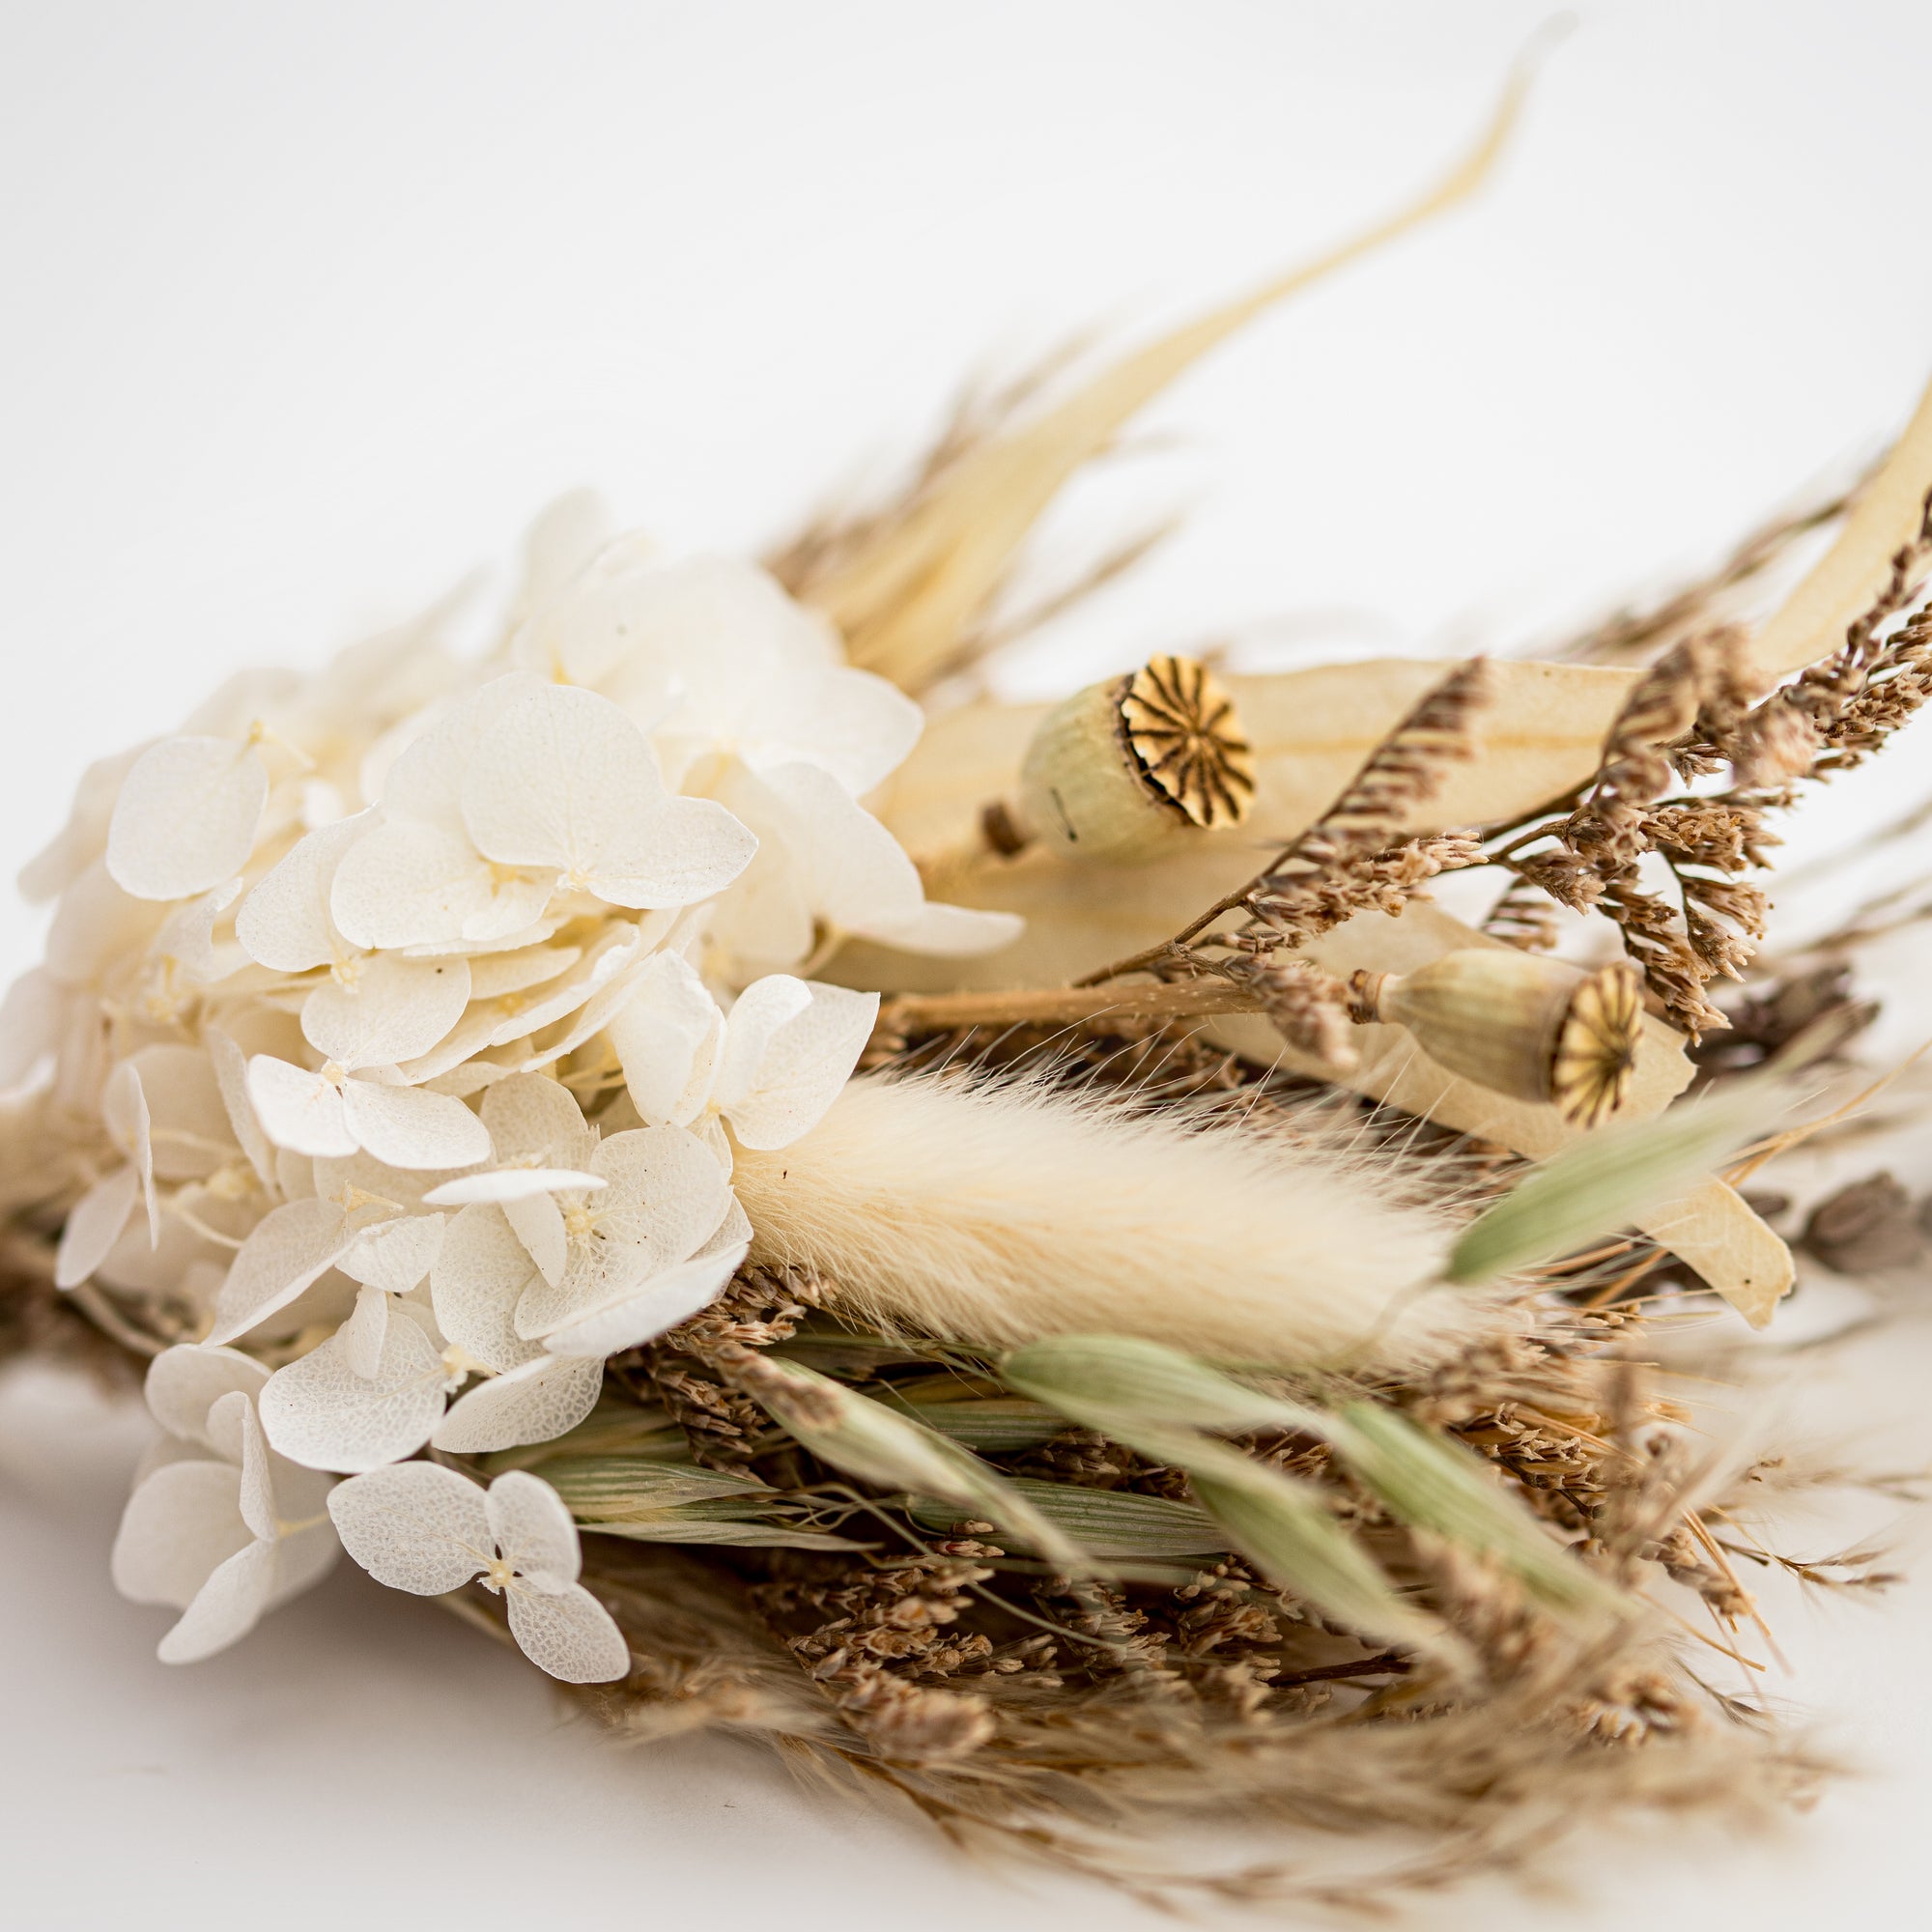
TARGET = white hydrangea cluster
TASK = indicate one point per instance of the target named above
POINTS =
(394, 1034)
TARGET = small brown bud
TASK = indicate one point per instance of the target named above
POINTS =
(1122, 769)
(1522, 1025)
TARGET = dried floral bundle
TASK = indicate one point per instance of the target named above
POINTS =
(1003, 1249)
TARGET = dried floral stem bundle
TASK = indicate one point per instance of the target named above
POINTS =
(1003, 1250)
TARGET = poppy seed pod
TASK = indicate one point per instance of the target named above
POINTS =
(1522, 1025)
(1119, 769)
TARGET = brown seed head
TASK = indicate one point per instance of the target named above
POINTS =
(1596, 1045)
(1180, 726)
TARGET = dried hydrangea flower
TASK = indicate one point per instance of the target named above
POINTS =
(219, 1526)
(425, 1529)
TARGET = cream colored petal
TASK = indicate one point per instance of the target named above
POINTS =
(225, 1608)
(180, 1525)
(387, 1009)
(300, 1111)
(571, 1636)
(415, 1527)
(319, 1412)
(185, 819)
(291, 1246)
(409, 1127)
(536, 1402)
(285, 922)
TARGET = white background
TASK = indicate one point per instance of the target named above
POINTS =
(309, 306)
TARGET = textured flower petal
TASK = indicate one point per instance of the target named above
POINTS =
(667, 1038)
(185, 819)
(303, 1559)
(184, 1382)
(561, 771)
(32, 1017)
(534, 1121)
(186, 938)
(512, 1183)
(659, 1305)
(188, 1130)
(480, 1275)
(389, 1008)
(538, 1222)
(257, 1499)
(571, 1636)
(320, 1412)
(364, 1333)
(412, 883)
(853, 724)
(231, 1074)
(285, 922)
(801, 1065)
(537, 1401)
(565, 781)
(497, 974)
(124, 1111)
(299, 1110)
(415, 1527)
(94, 1224)
(409, 1127)
(291, 1246)
(666, 1192)
(180, 1525)
(225, 1608)
(394, 1256)
(534, 1530)
(689, 849)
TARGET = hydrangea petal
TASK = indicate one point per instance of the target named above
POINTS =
(666, 1036)
(394, 1256)
(534, 1530)
(285, 922)
(94, 1224)
(124, 1112)
(300, 1111)
(179, 1525)
(388, 1008)
(665, 1299)
(290, 1247)
(412, 883)
(225, 1608)
(512, 1183)
(364, 1333)
(414, 1526)
(185, 817)
(186, 1382)
(320, 1412)
(665, 1191)
(481, 1272)
(802, 1064)
(30, 1019)
(536, 1402)
(409, 1127)
(536, 1121)
(853, 724)
(564, 780)
(303, 1557)
(538, 1222)
(571, 1636)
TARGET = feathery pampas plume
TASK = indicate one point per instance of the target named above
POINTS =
(990, 1213)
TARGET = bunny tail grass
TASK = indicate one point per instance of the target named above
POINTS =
(994, 1214)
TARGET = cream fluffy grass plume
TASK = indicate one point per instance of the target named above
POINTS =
(999, 1248)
